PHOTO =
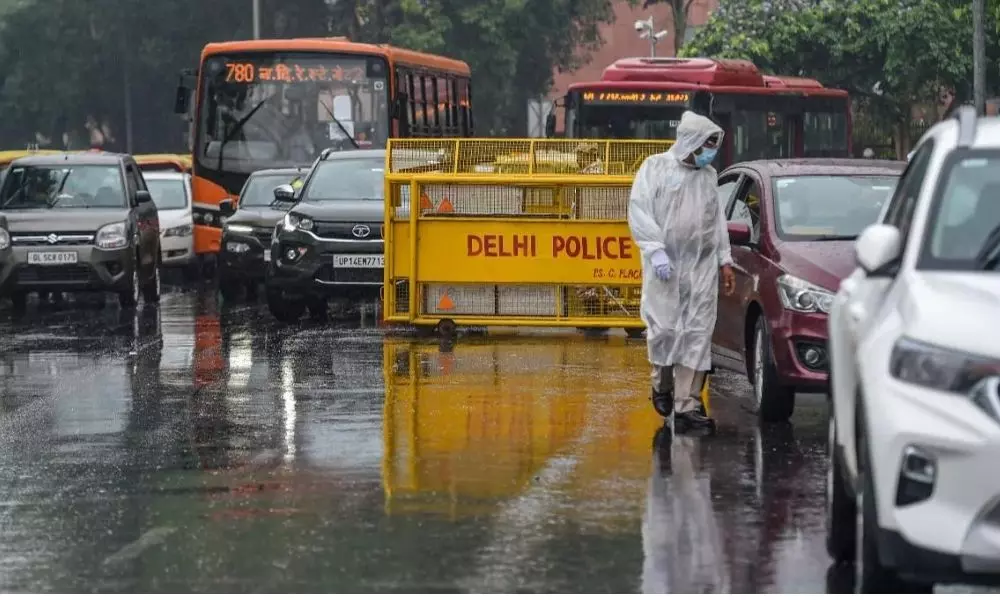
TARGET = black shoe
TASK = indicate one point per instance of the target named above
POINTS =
(663, 402)
(692, 421)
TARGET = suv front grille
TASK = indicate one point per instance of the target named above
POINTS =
(342, 230)
(61, 238)
(264, 235)
(54, 274)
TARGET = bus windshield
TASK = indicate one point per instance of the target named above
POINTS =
(268, 109)
(628, 122)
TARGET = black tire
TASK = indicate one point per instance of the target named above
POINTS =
(773, 402)
(192, 271)
(231, 289)
(19, 302)
(251, 290)
(129, 297)
(634, 333)
(841, 513)
(208, 266)
(285, 309)
(319, 309)
(151, 289)
(871, 576)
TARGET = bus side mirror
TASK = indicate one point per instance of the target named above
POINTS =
(182, 97)
(182, 100)
(550, 125)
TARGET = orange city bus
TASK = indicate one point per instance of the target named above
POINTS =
(262, 104)
(764, 116)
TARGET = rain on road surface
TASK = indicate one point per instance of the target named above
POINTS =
(183, 448)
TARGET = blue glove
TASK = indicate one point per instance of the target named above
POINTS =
(661, 265)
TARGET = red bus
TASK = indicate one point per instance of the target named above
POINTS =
(262, 104)
(764, 116)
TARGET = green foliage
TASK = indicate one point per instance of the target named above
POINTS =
(891, 54)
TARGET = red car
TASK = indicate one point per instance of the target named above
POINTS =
(792, 225)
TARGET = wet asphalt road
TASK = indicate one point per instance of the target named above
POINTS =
(188, 448)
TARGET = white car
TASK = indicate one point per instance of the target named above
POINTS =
(171, 193)
(914, 478)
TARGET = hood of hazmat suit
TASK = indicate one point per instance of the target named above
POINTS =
(674, 207)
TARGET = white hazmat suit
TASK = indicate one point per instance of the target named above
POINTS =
(674, 207)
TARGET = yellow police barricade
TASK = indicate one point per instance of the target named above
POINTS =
(514, 232)
(470, 428)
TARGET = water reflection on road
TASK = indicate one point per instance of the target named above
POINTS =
(191, 448)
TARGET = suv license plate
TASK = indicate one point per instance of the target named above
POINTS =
(53, 258)
(358, 261)
(267, 256)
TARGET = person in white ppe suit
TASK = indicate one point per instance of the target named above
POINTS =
(678, 225)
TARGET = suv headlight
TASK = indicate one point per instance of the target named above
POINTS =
(297, 222)
(112, 237)
(4, 239)
(939, 368)
(801, 296)
(235, 228)
(179, 231)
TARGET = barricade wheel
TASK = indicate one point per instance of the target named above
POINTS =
(635, 333)
(446, 328)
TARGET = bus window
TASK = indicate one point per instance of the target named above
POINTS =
(759, 134)
(825, 134)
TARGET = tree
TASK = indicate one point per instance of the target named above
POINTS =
(892, 55)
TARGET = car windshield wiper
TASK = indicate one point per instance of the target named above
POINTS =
(989, 254)
(833, 238)
(339, 124)
(237, 128)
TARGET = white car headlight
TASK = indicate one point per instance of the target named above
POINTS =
(294, 222)
(4, 239)
(179, 231)
(801, 296)
(943, 369)
(239, 229)
(112, 237)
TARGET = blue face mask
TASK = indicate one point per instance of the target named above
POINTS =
(706, 157)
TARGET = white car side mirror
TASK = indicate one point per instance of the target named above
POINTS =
(877, 246)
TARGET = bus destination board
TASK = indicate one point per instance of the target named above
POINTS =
(638, 98)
